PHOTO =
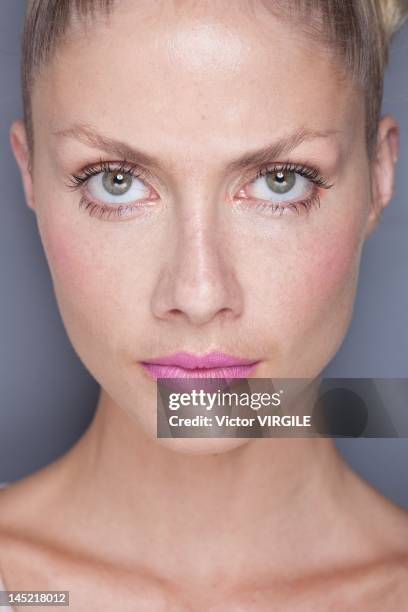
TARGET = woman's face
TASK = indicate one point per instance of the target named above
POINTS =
(209, 257)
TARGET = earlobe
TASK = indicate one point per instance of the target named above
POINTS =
(18, 141)
(383, 168)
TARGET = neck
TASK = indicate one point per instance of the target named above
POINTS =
(177, 513)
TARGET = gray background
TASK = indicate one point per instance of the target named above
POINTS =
(47, 397)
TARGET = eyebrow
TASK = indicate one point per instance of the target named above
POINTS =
(119, 149)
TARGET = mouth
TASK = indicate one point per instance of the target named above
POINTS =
(209, 365)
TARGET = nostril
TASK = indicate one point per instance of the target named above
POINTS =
(175, 311)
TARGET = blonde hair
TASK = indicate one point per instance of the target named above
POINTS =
(360, 31)
(393, 13)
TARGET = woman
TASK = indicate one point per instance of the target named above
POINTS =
(204, 180)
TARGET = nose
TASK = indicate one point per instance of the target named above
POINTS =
(197, 281)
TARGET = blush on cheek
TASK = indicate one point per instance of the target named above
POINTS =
(67, 254)
(331, 284)
(321, 288)
(334, 265)
(320, 300)
(79, 280)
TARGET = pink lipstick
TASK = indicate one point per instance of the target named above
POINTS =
(190, 365)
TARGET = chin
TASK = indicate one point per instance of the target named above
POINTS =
(202, 446)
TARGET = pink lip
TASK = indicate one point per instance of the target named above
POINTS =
(189, 365)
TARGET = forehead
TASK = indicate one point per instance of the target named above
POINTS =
(195, 75)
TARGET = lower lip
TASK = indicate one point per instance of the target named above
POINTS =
(167, 371)
(207, 378)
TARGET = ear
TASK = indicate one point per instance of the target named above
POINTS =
(18, 141)
(383, 168)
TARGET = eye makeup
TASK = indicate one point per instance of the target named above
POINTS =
(311, 177)
(104, 210)
(307, 175)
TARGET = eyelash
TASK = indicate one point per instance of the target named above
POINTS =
(103, 211)
(76, 181)
(312, 174)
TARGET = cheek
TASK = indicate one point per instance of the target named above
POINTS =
(331, 266)
(71, 262)
(306, 286)
(303, 274)
(102, 293)
(83, 280)
(327, 257)
(320, 302)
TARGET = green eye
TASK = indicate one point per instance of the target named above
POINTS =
(116, 183)
(280, 181)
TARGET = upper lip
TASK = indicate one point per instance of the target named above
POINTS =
(191, 361)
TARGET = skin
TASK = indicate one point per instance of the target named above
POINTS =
(124, 519)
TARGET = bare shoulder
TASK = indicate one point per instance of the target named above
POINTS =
(378, 578)
(376, 586)
(37, 552)
(25, 553)
(34, 545)
(36, 555)
(375, 577)
(23, 503)
(381, 521)
(366, 570)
